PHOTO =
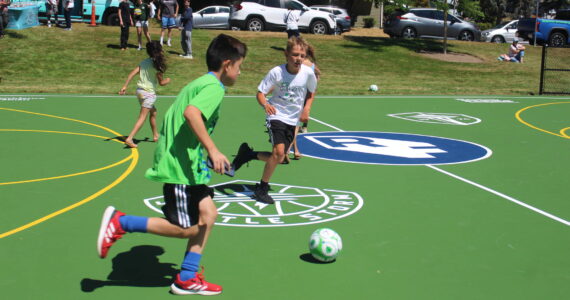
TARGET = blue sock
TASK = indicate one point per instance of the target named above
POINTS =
(133, 223)
(190, 265)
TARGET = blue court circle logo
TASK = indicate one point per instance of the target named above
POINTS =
(386, 148)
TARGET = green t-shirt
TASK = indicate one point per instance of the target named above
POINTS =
(179, 157)
(147, 76)
(141, 12)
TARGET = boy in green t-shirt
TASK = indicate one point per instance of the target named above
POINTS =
(180, 163)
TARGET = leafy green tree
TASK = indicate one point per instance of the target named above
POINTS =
(493, 10)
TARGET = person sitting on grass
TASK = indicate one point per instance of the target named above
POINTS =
(516, 52)
(150, 73)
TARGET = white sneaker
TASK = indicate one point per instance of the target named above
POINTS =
(168, 43)
(49, 25)
(139, 48)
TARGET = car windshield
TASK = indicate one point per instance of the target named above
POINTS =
(501, 25)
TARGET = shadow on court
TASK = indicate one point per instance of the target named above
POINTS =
(123, 138)
(310, 259)
(139, 267)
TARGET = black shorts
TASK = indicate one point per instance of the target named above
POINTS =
(181, 203)
(280, 133)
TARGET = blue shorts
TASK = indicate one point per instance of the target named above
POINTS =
(168, 22)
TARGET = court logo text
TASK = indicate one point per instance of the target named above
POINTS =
(294, 205)
(437, 118)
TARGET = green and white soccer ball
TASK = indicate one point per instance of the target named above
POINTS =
(373, 88)
(325, 244)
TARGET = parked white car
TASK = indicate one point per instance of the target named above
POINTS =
(259, 15)
(212, 17)
(502, 33)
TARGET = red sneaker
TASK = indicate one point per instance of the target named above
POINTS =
(110, 230)
(195, 286)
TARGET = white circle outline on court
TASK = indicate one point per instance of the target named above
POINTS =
(358, 206)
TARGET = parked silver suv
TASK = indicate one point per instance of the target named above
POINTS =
(259, 15)
(429, 22)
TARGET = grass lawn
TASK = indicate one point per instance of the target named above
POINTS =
(87, 61)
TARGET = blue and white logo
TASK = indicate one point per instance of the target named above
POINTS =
(385, 148)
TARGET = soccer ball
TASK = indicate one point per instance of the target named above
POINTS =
(373, 88)
(325, 244)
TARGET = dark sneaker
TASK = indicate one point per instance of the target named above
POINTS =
(262, 194)
(110, 230)
(195, 286)
(242, 157)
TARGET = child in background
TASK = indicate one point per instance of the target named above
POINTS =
(142, 13)
(180, 164)
(151, 71)
(125, 20)
(186, 30)
(51, 9)
(293, 84)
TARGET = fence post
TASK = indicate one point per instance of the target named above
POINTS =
(542, 65)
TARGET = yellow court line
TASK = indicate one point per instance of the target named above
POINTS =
(134, 160)
(563, 132)
(518, 113)
(68, 175)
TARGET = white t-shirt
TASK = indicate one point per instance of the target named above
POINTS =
(291, 18)
(289, 92)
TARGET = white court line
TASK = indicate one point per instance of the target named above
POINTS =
(518, 202)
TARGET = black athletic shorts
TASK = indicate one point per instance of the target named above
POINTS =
(280, 133)
(181, 203)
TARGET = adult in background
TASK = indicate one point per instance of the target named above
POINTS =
(68, 6)
(51, 9)
(167, 12)
(186, 30)
(125, 20)
(3, 16)
(291, 18)
(141, 15)
(515, 54)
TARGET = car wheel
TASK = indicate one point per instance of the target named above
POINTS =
(557, 39)
(255, 24)
(409, 33)
(466, 35)
(319, 27)
(498, 39)
(113, 19)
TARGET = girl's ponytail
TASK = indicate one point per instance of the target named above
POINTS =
(154, 51)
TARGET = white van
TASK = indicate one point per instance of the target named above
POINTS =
(502, 33)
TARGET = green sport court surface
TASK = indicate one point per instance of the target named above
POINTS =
(494, 228)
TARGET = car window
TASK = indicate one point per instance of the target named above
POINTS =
(423, 13)
(254, 1)
(337, 12)
(273, 3)
(224, 10)
(209, 10)
(514, 25)
(451, 18)
(438, 15)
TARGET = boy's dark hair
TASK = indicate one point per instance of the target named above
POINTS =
(154, 51)
(224, 47)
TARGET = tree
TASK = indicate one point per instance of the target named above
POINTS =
(494, 10)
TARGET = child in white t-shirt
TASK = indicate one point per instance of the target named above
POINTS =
(292, 84)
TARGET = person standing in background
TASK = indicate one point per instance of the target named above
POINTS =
(68, 6)
(125, 20)
(51, 9)
(3, 16)
(167, 12)
(186, 30)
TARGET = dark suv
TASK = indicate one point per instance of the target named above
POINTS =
(429, 22)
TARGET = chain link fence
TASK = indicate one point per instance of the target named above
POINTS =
(555, 70)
